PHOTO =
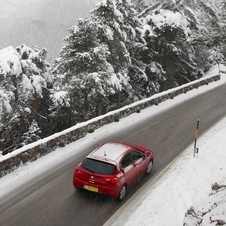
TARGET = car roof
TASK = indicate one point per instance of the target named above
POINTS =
(109, 151)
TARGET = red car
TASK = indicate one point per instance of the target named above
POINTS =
(112, 168)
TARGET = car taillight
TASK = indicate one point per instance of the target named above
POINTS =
(114, 180)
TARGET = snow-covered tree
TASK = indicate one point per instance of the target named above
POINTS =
(126, 47)
(117, 19)
(85, 74)
(33, 134)
(117, 56)
(24, 77)
(207, 22)
(140, 5)
(98, 62)
(167, 34)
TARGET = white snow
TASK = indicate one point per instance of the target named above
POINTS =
(111, 151)
(186, 183)
(10, 61)
(26, 85)
(38, 82)
(167, 17)
(5, 102)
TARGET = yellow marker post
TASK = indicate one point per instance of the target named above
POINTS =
(196, 137)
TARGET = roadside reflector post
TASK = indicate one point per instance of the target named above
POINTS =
(196, 150)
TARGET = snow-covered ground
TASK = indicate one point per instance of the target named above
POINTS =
(186, 183)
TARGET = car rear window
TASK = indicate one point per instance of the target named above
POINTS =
(98, 167)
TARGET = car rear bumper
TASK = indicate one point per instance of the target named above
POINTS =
(111, 191)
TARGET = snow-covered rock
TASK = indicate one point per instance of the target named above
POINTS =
(211, 211)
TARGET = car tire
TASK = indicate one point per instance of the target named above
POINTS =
(149, 167)
(122, 193)
(78, 189)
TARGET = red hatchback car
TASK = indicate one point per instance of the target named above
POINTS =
(112, 168)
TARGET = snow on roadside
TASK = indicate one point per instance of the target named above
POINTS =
(186, 186)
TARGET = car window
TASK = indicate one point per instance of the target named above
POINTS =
(126, 161)
(135, 155)
(98, 167)
(130, 158)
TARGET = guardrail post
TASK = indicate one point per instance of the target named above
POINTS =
(196, 150)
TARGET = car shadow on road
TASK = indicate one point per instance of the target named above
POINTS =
(91, 196)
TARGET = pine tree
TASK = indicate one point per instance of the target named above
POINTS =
(97, 62)
(126, 47)
(207, 22)
(24, 77)
(168, 41)
(140, 5)
(86, 74)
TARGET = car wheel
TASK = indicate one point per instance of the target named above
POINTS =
(149, 167)
(78, 189)
(122, 193)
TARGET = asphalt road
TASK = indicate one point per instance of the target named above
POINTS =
(50, 199)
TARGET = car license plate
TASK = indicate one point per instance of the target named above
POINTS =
(91, 188)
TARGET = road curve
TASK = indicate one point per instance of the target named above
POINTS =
(50, 199)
